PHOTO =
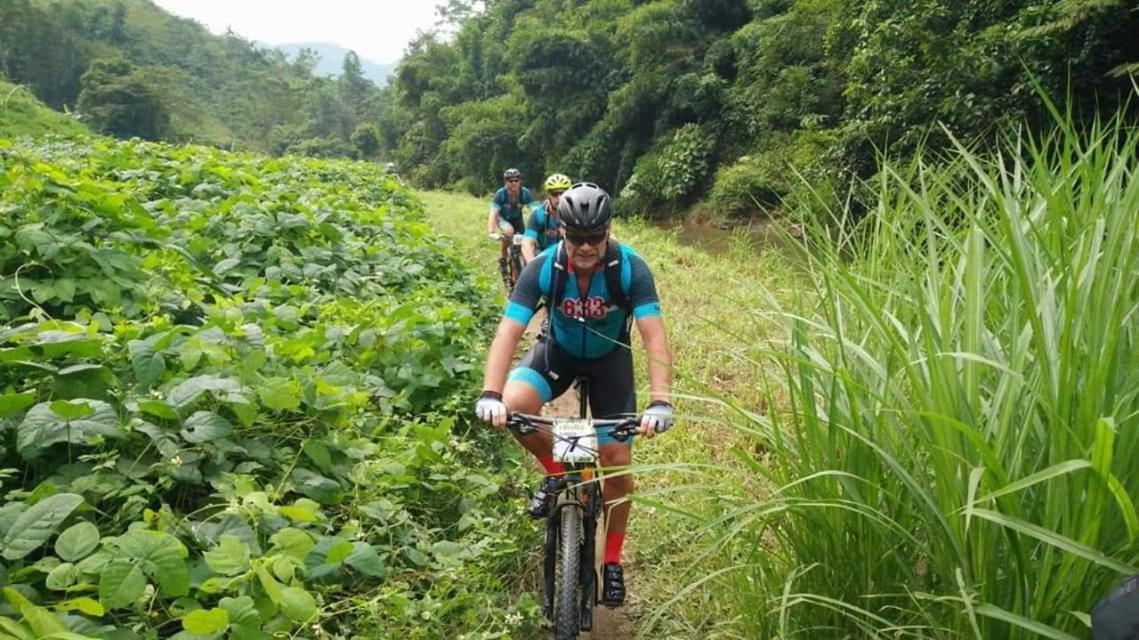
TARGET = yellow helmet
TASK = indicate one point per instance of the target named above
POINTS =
(558, 182)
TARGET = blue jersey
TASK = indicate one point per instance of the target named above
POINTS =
(543, 227)
(511, 211)
(587, 326)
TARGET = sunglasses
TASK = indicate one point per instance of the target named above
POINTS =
(514, 180)
(555, 194)
(579, 239)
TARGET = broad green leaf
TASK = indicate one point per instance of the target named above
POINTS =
(280, 394)
(87, 606)
(120, 584)
(338, 552)
(162, 557)
(229, 558)
(297, 604)
(190, 353)
(270, 585)
(77, 541)
(292, 542)
(149, 364)
(62, 577)
(204, 622)
(190, 391)
(34, 526)
(43, 622)
(72, 410)
(225, 266)
(43, 426)
(365, 560)
(318, 453)
(242, 610)
(205, 426)
(158, 409)
(318, 487)
(16, 402)
(302, 511)
(12, 630)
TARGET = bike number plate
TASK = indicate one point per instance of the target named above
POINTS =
(519, 239)
(575, 440)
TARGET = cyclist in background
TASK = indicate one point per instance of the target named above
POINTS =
(542, 227)
(507, 212)
(595, 290)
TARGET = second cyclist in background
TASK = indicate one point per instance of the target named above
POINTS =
(508, 209)
(543, 229)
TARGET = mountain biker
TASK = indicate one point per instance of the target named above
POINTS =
(507, 209)
(390, 170)
(589, 334)
(542, 227)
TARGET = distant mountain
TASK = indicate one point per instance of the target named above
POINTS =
(332, 60)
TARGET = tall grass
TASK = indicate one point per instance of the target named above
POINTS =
(954, 444)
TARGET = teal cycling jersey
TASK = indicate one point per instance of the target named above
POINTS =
(511, 210)
(592, 325)
(543, 227)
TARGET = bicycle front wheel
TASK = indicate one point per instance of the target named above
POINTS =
(567, 617)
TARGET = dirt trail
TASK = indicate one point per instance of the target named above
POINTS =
(608, 624)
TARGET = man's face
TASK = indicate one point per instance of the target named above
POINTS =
(586, 249)
(514, 185)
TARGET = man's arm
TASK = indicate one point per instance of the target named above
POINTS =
(530, 241)
(660, 357)
(501, 354)
(492, 220)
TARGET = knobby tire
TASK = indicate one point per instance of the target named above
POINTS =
(567, 614)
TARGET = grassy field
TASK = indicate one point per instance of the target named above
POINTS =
(21, 114)
(708, 304)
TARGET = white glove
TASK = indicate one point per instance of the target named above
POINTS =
(494, 236)
(490, 408)
(658, 418)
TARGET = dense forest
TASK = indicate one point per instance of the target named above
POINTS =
(128, 68)
(671, 101)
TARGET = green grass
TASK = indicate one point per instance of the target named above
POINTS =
(953, 436)
(21, 114)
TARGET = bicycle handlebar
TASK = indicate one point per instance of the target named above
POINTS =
(525, 424)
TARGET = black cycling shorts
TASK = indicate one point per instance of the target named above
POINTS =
(612, 393)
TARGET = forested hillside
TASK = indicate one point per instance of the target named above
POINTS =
(673, 100)
(131, 69)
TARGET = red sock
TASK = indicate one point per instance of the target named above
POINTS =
(552, 468)
(613, 543)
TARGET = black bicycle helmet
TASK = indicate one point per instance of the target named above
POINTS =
(585, 207)
(511, 173)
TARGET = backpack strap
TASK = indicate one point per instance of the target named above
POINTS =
(619, 276)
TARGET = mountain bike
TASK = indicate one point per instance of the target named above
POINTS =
(513, 267)
(569, 566)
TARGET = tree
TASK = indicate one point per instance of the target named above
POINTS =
(366, 139)
(355, 89)
(118, 101)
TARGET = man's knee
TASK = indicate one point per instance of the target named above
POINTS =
(522, 398)
(618, 457)
(619, 486)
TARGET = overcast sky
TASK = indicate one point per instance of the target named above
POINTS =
(376, 29)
